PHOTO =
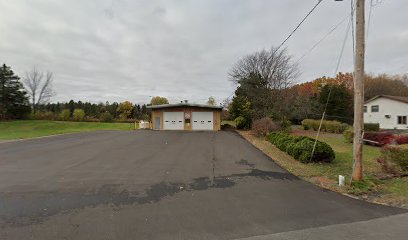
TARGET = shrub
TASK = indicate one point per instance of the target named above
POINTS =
(65, 115)
(106, 117)
(371, 127)
(273, 137)
(78, 115)
(40, 115)
(348, 135)
(301, 147)
(308, 124)
(286, 125)
(242, 123)
(400, 140)
(305, 126)
(398, 157)
(378, 138)
(283, 142)
(327, 126)
(263, 126)
(323, 153)
(291, 147)
(304, 148)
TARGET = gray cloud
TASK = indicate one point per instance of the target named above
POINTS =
(120, 50)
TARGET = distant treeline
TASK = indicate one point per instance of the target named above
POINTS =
(94, 111)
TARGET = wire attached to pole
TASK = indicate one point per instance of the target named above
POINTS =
(335, 73)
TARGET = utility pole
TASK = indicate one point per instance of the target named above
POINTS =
(359, 92)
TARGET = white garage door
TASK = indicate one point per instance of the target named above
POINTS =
(203, 120)
(173, 120)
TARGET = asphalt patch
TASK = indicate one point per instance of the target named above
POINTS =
(30, 208)
(245, 163)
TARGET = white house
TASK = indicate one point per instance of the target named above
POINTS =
(389, 111)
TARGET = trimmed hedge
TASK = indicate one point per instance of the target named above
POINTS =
(327, 126)
(301, 147)
(371, 127)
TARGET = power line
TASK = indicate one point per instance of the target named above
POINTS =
(322, 39)
(296, 28)
(331, 87)
(369, 17)
(352, 6)
(342, 47)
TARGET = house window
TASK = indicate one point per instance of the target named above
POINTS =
(402, 120)
(375, 108)
(365, 109)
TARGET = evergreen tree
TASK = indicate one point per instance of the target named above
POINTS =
(13, 97)
(340, 105)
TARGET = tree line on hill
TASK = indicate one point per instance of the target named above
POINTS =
(266, 87)
(31, 101)
(107, 111)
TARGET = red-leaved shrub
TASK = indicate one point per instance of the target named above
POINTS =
(378, 138)
(402, 139)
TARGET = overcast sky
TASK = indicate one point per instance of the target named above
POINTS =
(117, 50)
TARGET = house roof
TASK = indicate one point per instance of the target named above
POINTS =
(184, 105)
(396, 98)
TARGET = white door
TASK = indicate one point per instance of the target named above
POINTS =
(173, 120)
(203, 120)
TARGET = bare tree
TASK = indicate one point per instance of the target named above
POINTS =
(39, 87)
(211, 101)
(275, 68)
(263, 77)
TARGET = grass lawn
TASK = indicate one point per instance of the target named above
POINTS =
(394, 191)
(35, 128)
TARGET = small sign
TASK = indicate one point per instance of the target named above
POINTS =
(187, 115)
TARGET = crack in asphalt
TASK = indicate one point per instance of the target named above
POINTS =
(212, 175)
(30, 208)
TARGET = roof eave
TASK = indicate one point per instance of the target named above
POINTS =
(184, 105)
(385, 96)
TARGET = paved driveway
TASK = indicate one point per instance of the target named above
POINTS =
(158, 185)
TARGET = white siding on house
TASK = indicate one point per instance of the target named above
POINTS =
(389, 107)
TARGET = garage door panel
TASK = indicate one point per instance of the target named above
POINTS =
(203, 121)
(173, 120)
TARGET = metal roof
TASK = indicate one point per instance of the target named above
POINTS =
(184, 105)
(396, 98)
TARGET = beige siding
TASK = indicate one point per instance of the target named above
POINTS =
(188, 127)
(159, 114)
(217, 120)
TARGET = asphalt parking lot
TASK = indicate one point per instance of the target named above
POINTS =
(159, 185)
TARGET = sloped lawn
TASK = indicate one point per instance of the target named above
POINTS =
(393, 191)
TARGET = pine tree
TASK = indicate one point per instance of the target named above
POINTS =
(340, 105)
(13, 97)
